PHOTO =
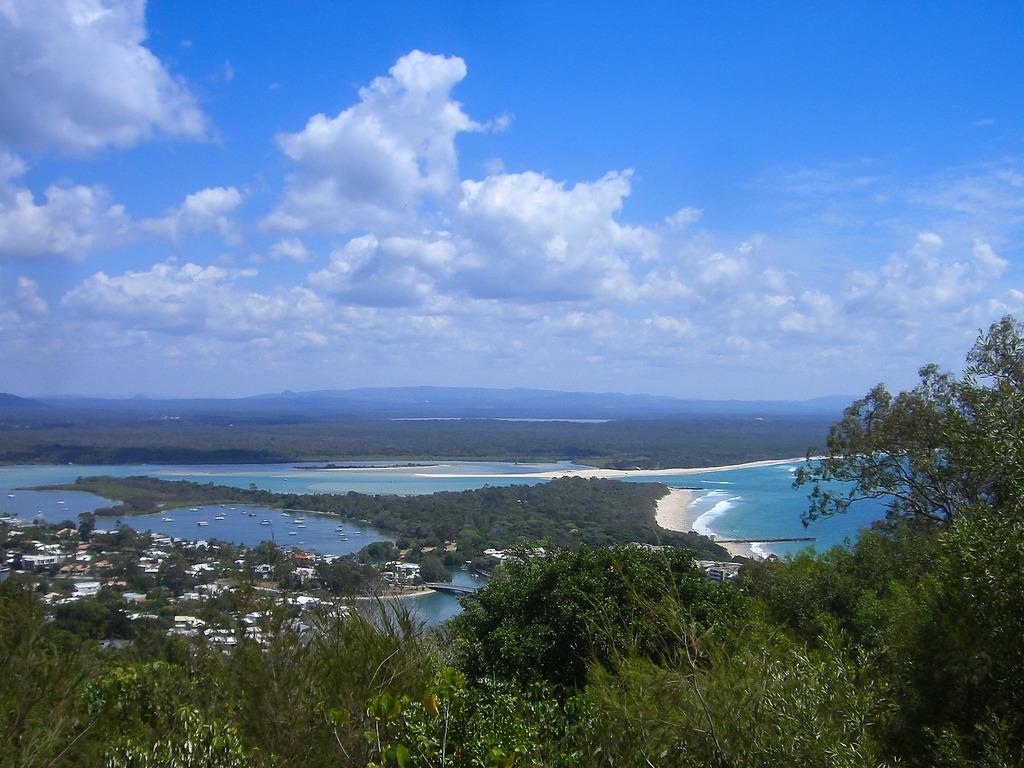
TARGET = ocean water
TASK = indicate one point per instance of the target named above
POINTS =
(761, 502)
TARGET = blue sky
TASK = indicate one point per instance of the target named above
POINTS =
(702, 200)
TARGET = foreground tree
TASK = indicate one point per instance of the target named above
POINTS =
(948, 458)
(551, 615)
(935, 451)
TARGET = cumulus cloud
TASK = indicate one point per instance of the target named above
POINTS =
(69, 221)
(205, 210)
(529, 237)
(193, 299)
(377, 162)
(721, 269)
(925, 279)
(394, 271)
(75, 75)
(290, 248)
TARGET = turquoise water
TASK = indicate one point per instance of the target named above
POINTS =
(761, 502)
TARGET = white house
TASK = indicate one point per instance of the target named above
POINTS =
(86, 588)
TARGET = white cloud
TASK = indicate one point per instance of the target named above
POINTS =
(27, 298)
(811, 312)
(683, 218)
(395, 271)
(290, 248)
(674, 326)
(529, 237)
(75, 75)
(721, 269)
(74, 220)
(195, 300)
(205, 210)
(378, 161)
(924, 280)
(69, 222)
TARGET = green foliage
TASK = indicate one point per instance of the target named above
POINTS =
(869, 591)
(432, 568)
(41, 669)
(755, 700)
(933, 452)
(967, 656)
(491, 723)
(346, 576)
(86, 525)
(97, 438)
(193, 743)
(549, 616)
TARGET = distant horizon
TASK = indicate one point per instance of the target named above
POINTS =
(281, 393)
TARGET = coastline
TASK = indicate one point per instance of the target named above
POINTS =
(373, 468)
(614, 473)
(674, 512)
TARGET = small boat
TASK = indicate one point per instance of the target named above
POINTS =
(202, 523)
(60, 502)
(167, 519)
(300, 526)
(10, 495)
(252, 514)
(219, 517)
(357, 533)
(195, 509)
(264, 522)
(286, 514)
(292, 533)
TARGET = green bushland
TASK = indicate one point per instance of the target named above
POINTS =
(54, 436)
(566, 511)
(905, 648)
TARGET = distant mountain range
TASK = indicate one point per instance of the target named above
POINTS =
(441, 402)
(13, 402)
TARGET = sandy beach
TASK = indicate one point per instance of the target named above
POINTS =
(613, 473)
(674, 512)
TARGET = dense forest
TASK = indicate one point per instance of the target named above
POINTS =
(905, 648)
(565, 512)
(52, 436)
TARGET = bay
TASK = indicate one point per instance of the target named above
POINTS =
(744, 503)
